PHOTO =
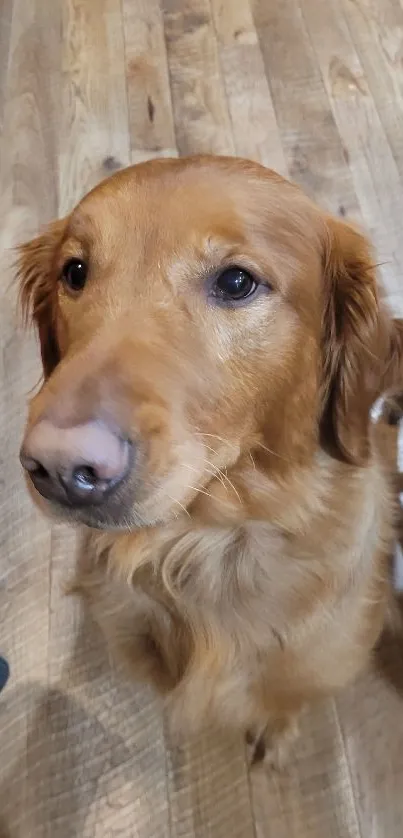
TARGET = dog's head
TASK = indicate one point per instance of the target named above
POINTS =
(193, 314)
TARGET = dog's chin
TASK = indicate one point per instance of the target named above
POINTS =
(93, 517)
(112, 518)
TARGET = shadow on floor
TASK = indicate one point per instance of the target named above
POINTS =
(53, 783)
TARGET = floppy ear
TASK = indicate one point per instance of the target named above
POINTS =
(38, 290)
(362, 345)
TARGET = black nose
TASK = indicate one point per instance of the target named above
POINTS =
(78, 485)
(76, 466)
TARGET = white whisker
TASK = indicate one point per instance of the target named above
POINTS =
(200, 491)
(252, 460)
(197, 471)
(213, 472)
(174, 500)
(232, 486)
(220, 438)
(270, 451)
(213, 450)
(223, 475)
(219, 474)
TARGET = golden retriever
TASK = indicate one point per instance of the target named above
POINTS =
(212, 343)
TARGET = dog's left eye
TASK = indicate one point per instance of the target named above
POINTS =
(74, 274)
(234, 284)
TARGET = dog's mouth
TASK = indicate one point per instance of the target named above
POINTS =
(115, 514)
(139, 497)
(134, 505)
(159, 486)
(90, 503)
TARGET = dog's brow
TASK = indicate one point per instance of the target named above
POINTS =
(85, 225)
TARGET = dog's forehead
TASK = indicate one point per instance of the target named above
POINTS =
(179, 213)
(176, 203)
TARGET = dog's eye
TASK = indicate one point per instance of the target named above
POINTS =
(74, 274)
(234, 284)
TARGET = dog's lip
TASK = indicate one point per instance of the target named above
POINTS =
(118, 518)
(90, 517)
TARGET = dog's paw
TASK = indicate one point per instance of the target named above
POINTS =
(279, 744)
(271, 746)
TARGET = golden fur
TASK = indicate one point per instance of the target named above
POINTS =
(247, 573)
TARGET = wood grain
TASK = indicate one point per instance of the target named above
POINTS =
(28, 198)
(376, 30)
(253, 119)
(6, 13)
(315, 154)
(198, 94)
(152, 132)
(86, 86)
(371, 162)
(93, 131)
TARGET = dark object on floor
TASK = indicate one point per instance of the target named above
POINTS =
(4, 672)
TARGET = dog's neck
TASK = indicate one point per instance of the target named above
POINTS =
(314, 513)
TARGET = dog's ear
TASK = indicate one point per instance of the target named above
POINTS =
(38, 290)
(362, 346)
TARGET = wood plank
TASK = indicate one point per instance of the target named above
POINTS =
(103, 740)
(152, 131)
(83, 752)
(375, 762)
(208, 789)
(29, 198)
(6, 13)
(315, 155)
(312, 797)
(376, 30)
(373, 168)
(202, 122)
(31, 98)
(254, 124)
(94, 128)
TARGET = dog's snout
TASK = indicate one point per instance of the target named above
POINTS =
(78, 465)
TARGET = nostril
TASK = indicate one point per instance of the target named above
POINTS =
(33, 467)
(39, 471)
(85, 478)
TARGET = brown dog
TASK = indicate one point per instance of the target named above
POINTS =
(212, 344)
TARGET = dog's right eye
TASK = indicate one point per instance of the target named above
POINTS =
(74, 274)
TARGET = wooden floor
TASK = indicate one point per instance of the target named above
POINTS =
(312, 88)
